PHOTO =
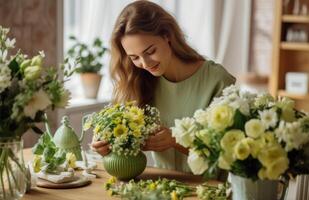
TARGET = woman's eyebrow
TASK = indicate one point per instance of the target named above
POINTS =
(143, 50)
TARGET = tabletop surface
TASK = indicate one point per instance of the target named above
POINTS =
(96, 190)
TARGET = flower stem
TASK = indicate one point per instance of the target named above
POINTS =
(8, 175)
(12, 174)
(1, 172)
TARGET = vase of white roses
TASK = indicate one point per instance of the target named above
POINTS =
(254, 137)
(26, 91)
(125, 127)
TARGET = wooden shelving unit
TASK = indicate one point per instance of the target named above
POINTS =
(288, 56)
(295, 19)
(294, 46)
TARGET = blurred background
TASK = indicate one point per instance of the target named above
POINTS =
(263, 43)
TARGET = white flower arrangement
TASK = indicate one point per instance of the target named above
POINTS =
(254, 136)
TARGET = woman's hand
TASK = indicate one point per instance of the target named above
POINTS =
(101, 147)
(160, 141)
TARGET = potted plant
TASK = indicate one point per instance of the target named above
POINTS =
(89, 64)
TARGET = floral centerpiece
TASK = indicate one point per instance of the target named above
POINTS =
(27, 89)
(125, 127)
(252, 136)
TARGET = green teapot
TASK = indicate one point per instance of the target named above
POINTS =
(66, 139)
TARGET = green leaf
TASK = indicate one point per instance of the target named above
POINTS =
(38, 149)
(239, 120)
(13, 65)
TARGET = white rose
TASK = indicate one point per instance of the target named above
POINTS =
(197, 163)
(201, 117)
(254, 128)
(184, 131)
(40, 101)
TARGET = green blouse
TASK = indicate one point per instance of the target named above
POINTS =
(176, 100)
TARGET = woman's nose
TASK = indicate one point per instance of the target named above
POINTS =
(147, 63)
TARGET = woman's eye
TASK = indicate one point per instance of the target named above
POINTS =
(133, 57)
(151, 52)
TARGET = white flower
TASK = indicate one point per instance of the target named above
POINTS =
(10, 43)
(263, 100)
(269, 118)
(239, 103)
(3, 55)
(201, 117)
(197, 163)
(64, 101)
(254, 128)
(230, 90)
(39, 101)
(184, 131)
(292, 134)
(5, 77)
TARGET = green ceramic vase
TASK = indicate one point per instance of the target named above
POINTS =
(125, 167)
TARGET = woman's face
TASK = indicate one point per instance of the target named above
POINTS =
(149, 52)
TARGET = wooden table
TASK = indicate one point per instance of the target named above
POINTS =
(96, 191)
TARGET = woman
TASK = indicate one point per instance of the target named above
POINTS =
(152, 64)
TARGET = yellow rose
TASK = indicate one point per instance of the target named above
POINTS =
(225, 161)
(270, 154)
(277, 168)
(242, 150)
(262, 173)
(231, 138)
(71, 159)
(254, 146)
(120, 130)
(112, 180)
(268, 139)
(221, 117)
(254, 128)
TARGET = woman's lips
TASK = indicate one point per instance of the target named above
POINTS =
(154, 68)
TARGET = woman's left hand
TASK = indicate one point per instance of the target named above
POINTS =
(160, 141)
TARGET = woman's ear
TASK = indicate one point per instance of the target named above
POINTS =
(167, 38)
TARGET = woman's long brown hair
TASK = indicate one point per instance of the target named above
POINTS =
(132, 83)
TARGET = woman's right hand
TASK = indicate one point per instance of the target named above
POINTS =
(101, 147)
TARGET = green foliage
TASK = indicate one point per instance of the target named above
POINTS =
(51, 156)
(89, 55)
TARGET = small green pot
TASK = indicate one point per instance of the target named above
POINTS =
(125, 167)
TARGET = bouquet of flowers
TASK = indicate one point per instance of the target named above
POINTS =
(27, 89)
(124, 126)
(253, 136)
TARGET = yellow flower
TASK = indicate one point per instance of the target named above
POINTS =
(268, 139)
(71, 159)
(254, 146)
(254, 128)
(268, 155)
(117, 120)
(152, 186)
(174, 195)
(231, 138)
(242, 150)
(112, 180)
(225, 161)
(262, 173)
(221, 117)
(36, 164)
(277, 168)
(97, 129)
(120, 130)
